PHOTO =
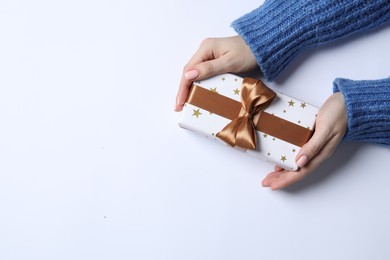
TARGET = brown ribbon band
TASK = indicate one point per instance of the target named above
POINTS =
(232, 109)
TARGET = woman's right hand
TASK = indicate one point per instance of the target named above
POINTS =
(215, 56)
(331, 125)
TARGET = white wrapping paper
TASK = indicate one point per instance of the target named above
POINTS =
(270, 148)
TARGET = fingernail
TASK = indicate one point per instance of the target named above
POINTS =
(302, 161)
(192, 74)
(177, 105)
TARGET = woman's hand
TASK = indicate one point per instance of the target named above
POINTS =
(331, 125)
(215, 56)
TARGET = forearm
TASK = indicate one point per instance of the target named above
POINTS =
(279, 30)
(368, 108)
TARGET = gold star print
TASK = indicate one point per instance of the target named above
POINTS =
(303, 105)
(283, 158)
(291, 103)
(196, 113)
(213, 90)
(236, 91)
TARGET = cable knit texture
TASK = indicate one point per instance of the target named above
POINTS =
(368, 108)
(279, 30)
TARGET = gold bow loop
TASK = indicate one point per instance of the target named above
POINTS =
(241, 131)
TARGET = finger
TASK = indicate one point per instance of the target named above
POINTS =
(291, 177)
(287, 179)
(182, 93)
(205, 52)
(324, 153)
(200, 71)
(278, 168)
(190, 73)
(270, 178)
(212, 67)
(312, 147)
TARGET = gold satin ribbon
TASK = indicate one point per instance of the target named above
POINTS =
(248, 116)
(255, 97)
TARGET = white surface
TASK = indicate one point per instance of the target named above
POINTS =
(94, 166)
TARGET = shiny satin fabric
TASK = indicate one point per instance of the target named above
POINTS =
(241, 131)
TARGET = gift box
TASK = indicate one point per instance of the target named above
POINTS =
(244, 113)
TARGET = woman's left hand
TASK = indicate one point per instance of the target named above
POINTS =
(331, 125)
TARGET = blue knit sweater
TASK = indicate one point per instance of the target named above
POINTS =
(279, 30)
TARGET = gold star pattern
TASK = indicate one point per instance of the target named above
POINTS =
(283, 158)
(197, 113)
(236, 91)
(214, 90)
(303, 105)
(291, 103)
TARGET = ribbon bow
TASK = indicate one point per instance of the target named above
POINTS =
(241, 131)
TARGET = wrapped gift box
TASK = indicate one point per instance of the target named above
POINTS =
(280, 130)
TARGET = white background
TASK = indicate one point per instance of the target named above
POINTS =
(94, 166)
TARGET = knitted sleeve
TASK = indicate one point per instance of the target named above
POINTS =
(279, 30)
(368, 108)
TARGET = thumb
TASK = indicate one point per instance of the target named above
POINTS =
(209, 68)
(311, 148)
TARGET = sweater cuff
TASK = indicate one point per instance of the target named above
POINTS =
(271, 37)
(368, 108)
(278, 31)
